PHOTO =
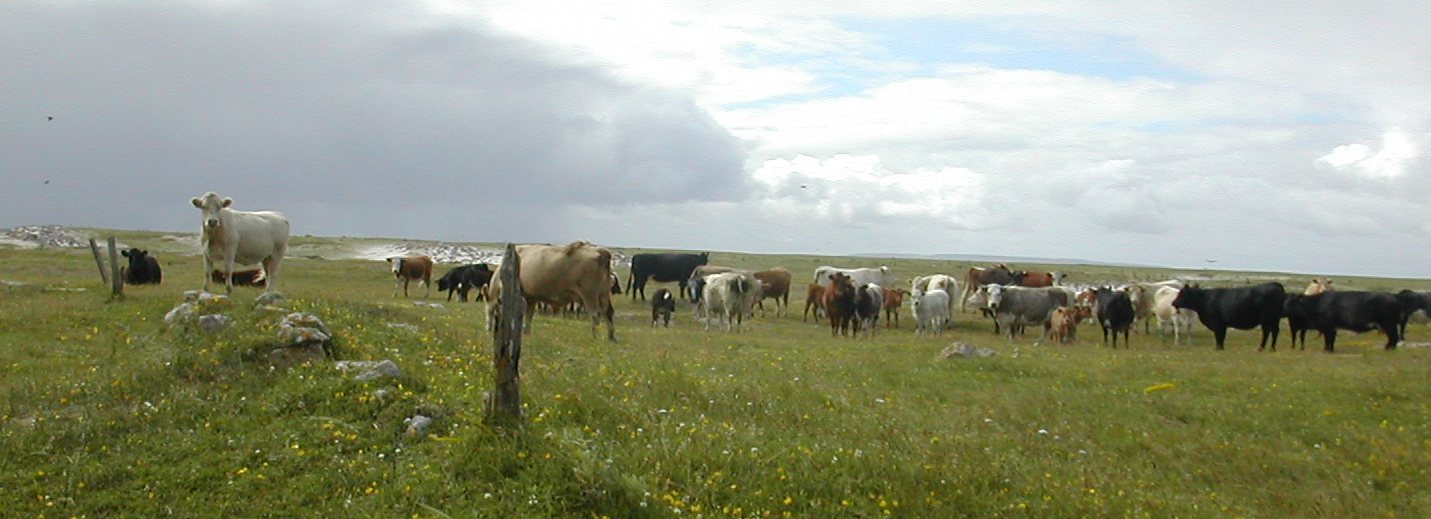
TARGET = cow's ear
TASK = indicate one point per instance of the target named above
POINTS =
(227, 202)
(197, 203)
(124, 253)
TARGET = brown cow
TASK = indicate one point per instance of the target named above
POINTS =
(814, 298)
(893, 299)
(774, 284)
(411, 268)
(560, 274)
(1038, 279)
(248, 278)
(839, 303)
(1064, 324)
(976, 277)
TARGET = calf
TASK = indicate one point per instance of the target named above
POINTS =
(1348, 310)
(412, 268)
(869, 301)
(814, 299)
(1115, 314)
(1064, 324)
(663, 304)
(143, 269)
(930, 309)
(463, 279)
(1242, 308)
(232, 237)
(839, 303)
(893, 299)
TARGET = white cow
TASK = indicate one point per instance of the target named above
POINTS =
(949, 284)
(235, 237)
(859, 277)
(1141, 295)
(930, 311)
(729, 296)
(1181, 318)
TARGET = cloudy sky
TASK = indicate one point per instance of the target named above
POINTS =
(1281, 136)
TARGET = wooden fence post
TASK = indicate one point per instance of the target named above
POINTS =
(505, 402)
(116, 281)
(99, 261)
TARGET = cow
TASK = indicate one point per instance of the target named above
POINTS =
(407, 269)
(1348, 310)
(814, 299)
(944, 282)
(1242, 308)
(1037, 279)
(893, 299)
(663, 305)
(232, 237)
(1317, 286)
(774, 284)
(662, 268)
(1142, 297)
(1181, 319)
(461, 280)
(728, 296)
(1063, 324)
(930, 309)
(698, 275)
(1016, 306)
(838, 301)
(1411, 303)
(560, 274)
(247, 278)
(869, 302)
(143, 269)
(881, 276)
(1115, 314)
(976, 277)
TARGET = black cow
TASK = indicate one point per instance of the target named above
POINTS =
(1349, 310)
(1412, 302)
(664, 268)
(1243, 308)
(143, 269)
(1115, 313)
(465, 278)
(663, 304)
(1297, 326)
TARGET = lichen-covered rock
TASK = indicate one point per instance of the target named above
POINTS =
(269, 299)
(965, 350)
(300, 328)
(214, 323)
(182, 313)
(404, 326)
(370, 369)
(417, 425)
(210, 301)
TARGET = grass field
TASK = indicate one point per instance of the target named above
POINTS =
(109, 413)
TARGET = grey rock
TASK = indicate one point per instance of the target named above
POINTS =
(417, 425)
(965, 350)
(370, 369)
(214, 323)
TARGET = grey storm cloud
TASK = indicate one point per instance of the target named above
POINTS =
(367, 113)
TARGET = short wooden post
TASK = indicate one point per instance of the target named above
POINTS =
(505, 402)
(99, 261)
(116, 281)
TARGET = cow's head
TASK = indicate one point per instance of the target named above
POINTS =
(1191, 297)
(211, 205)
(136, 257)
(994, 294)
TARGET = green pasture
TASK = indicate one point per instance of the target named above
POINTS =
(108, 412)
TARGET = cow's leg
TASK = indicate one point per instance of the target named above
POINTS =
(527, 319)
(427, 287)
(208, 271)
(229, 269)
(1329, 337)
(1220, 334)
(1392, 337)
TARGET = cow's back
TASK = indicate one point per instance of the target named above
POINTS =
(561, 273)
(259, 234)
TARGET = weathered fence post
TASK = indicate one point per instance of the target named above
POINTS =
(505, 402)
(116, 281)
(98, 261)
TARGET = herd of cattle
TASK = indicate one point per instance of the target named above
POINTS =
(580, 277)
